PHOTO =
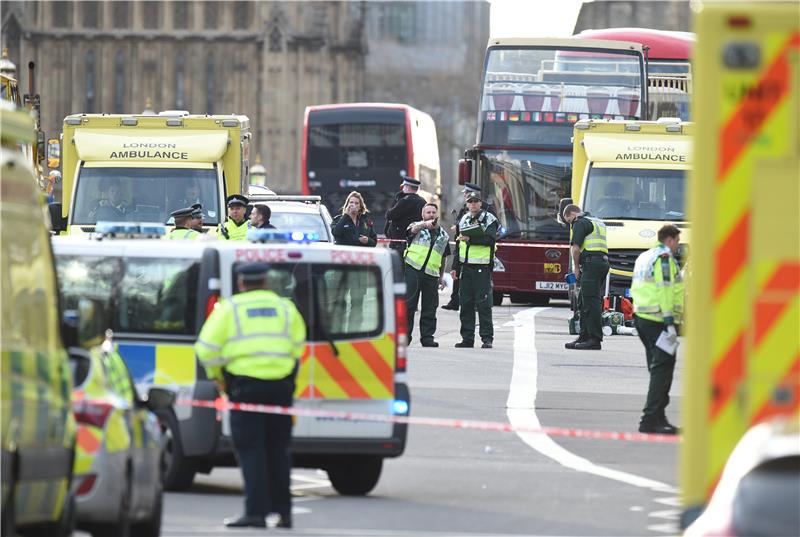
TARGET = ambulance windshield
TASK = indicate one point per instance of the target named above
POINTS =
(143, 194)
(636, 194)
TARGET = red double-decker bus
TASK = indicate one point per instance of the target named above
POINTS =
(533, 91)
(368, 147)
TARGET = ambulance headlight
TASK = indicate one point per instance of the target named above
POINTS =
(399, 407)
(498, 265)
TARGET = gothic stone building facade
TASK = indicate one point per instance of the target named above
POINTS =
(266, 60)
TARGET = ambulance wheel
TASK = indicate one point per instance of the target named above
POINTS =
(121, 526)
(355, 476)
(179, 470)
(497, 298)
(63, 527)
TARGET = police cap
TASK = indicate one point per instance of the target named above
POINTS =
(470, 188)
(410, 181)
(237, 199)
(252, 272)
(197, 210)
(182, 213)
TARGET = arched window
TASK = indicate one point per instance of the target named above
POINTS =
(119, 83)
(88, 104)
(210, 84)
(180, 89)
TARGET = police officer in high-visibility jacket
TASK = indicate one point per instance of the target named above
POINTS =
(589, 251)
(236, 226)
(251, 345)
(183, 220)
(475, 246)
(657, 292)
(428, 246)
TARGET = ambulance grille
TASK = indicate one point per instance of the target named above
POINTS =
(623, 259)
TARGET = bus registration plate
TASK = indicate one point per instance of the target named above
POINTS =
(552, 286)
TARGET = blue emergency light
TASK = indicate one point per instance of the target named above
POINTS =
(130, 229)
(274, 235)
(399, 407)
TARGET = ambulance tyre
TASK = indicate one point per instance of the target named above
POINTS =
(497, 298)
(179, 470)
(355, 476)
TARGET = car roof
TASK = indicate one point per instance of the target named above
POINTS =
(289, 206)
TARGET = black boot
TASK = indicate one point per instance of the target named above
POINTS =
(284, 520)
(571, 344)
(246, 521)
(589, 344)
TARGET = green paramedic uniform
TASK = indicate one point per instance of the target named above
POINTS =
(589, 234)
(475, 261)
(424, 259)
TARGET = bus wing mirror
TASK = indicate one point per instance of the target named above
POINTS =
(464, 171)
(53, 153)
(561, 206)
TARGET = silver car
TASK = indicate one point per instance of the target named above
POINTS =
(297, 213)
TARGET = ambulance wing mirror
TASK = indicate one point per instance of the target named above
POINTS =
(159, 399)
(561, 206)
(464, 171)
(53, 153)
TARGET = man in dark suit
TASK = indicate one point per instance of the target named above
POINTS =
(405, 211)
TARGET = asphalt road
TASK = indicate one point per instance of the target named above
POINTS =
(467, 482)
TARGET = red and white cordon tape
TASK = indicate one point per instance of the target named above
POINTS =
(221, 404)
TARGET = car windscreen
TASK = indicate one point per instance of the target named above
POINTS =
(141, 295)
(294, 221)
(143, 194)
(636, 194)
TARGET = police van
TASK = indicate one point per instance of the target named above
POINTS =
(353, 302)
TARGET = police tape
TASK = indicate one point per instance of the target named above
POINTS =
(221, 404)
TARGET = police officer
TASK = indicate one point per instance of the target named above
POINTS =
(428, 246)
(197, 218)
(475, 246)
(251, 345)
(589, 251)
(469, 189)
(657, 292)
(235, 227)
(183, 224)
(404, 211)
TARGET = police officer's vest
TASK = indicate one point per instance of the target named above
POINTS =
(252, 335)
(654, 296)
(183, 233)
(475, 254)
(230, 231)
(426, 254)
(596, 240)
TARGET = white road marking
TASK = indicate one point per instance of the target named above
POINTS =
(521, 409)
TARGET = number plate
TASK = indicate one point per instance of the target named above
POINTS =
(552, 268)
(552, 286)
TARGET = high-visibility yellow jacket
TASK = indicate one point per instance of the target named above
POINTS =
(254, 334)
(424, 248)
(657, 288)
(596, 240)
(231, 231)
(479, 250)
(183, 233)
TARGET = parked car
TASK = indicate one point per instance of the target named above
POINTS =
(119, 454)
(303, 213)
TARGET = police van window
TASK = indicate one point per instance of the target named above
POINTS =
(143, 194)
(158, 295)
(87, 277)
(350, 301)
(304, 221)
(289, 281)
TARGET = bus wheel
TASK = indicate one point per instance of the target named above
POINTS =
(355, 476)
(497, 298)
(179, 470)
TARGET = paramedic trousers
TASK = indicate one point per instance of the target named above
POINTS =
(661, 366)
(594, 269)
(418, 283)
(261, 442)
(475, 293)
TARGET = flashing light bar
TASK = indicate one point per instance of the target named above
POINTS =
(130, 229)
(273, 235)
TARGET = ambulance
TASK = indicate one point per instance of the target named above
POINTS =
(743, 362)
(355, 360)
(37, 431)
(142, 167)
(632, 175)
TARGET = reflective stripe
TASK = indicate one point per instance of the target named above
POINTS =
(209, 345)
(257, 335)
(264, 353)
(419, 250)
(212, 362)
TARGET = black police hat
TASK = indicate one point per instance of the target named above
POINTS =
(410, 181)
(251, 272)
(197, 211)
(237, 199)
(470, 188)
(181, 213)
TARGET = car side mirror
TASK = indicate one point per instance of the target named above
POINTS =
(57, 221)
(561, 206)
(159, 398)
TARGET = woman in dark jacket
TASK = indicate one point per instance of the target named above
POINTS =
(354, 228)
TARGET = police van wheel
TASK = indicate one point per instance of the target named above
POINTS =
(151, 527)
(178, 470)
(497, 298)
(355, 476)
